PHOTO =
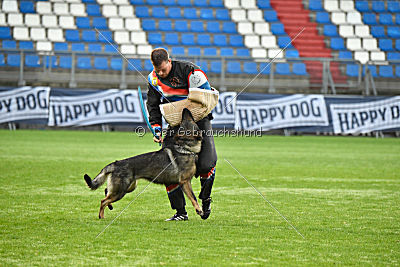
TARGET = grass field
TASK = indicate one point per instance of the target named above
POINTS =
(341, 193)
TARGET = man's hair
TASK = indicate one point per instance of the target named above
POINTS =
(158, 56)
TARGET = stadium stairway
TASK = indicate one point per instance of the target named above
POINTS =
(309, 44)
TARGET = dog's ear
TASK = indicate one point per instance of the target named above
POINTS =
(187, 115)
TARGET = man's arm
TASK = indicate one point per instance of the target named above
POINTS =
(153, 107)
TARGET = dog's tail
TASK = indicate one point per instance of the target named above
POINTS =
(99, 179)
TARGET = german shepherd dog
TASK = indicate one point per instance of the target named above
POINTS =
(175, 163)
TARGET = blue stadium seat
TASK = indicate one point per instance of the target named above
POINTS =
(153, 2)
(213, 26)
(189, 13)
(282, 68)
(178, 51)
(187, 39)
(292, 53)
(107, 36)
(65, 62)
(330, 30)
(174, 13)
(385, 44)
(197, 26)
(184, 2)
(137, 2)
(9, 44)
(26, 45)
(72, 35)
(136, 64)
(99, 23)
(148, 24)
(243, 52)
(89, 36)
(165, 25)
(397, 44)
(82, 22)
(386, 71)
(194, 51)
(148, 66)
(278, 29)
(270, 15)
(94, 47)
(109, 48)
(100, 63)
(5, 33)
(393, 56)
(369, 18)
(83, 63)
(204, 39)
(203, 64)
(322, 17)
(362, 6)
(171, 39)
(2, 60)
(27, 7)
(168, 2)
(378, 6)
(393, 6)
(315, 5)
(93, 10)
(13, 60)
(116, 63)
(337, 43)
(345, 55)
(385, 19)
(206, 13)
(60, 47)
(397, 19)
(393, 32)
(220, 40)
(216, 3)
(397, 71)
(222, 14)
(352, 70)
(226, 52)
(235, 40)
(154, 38)
(201, 3)
(265, 68)
(78, 47)
(32, 61)
(263, 4)
(210, 51)
(181, 26)
(378, 31)
(372, 69)
(215, 66)
(158, 12)
(299, 69)
(142, 12)
(229, 27)
(51, 61)
(233, 67)
(85, 1)
(283, 41)
(250, 68)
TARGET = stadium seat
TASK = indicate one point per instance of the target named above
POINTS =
(137, 2)
(233, 67)
(330, 30)
(116, 24)
(337, 43)
(250, 68)
(43, 8)
(94, 47)
(65, 62)
(178, 51)
(158, 12)
(372, 69)
(187, 39)
(397, 71)
(220, 40)
(299, 69)
(284, 41)
(171, 39)
(386, 71)
(315, 5)
(184, 2)
(31, 20)
(209, 51)
(385, 44)
(369, 19)
(229, 27)
(149, 24)
(201, 3)
(60, 47)
(393, 32)
(2, 60)
(378, 31)
(236, 40)
(13, 60)
(148, 66)
(322, 17)
(265, 68)
(9, 44)
(346, 30)
(385, 19)
(26, 45)
(278, 29)
(206, 13)
(197, 26)
(222, 14)
(215, 66)
(89, 36)
(370, 44)
(100, 63)
(77, 47)
(393, 6)
(153, 2)
(393, 56)
(72, 35)
(213, 26)
(242, 52)
(142, 12)
(67, 22)
(165, 25)
(292, 53)
(259, 53)
(261, 28)
(397, 44)
(83, 22)
(15, 19)
(99, 23)
(263, 4)
(181, 26)
(245, 28)
(270, 15)
(194, 51)
(203, 64)
(352, 70)
(83, 63)
(189, 13)
(345, 55)
(204, 39)
(21, 33)
(5, 33)
(93, 10)
(226, 52)
(282, 68)
(50, 61)
(361, 31)
(27, 7)
(32, 61)
(216, 3)
(174, 13)
(116, 63)
(362, 6)
(154, 38)
(378, 6)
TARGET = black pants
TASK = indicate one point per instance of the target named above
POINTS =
(207, 160)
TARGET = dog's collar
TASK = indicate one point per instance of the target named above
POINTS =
(181, 150)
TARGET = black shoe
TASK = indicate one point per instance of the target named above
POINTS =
(178, 217)
(206, 208)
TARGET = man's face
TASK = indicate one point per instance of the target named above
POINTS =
(164, 68)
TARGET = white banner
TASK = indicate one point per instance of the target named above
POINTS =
(289, 111)
(105, 107)
(224, 112)
(366, 116)
(24, 103)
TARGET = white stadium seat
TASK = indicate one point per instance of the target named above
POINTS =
(103, 2)
(121, 2)
(116, 23)
(21, 33)
(61, 8)
(268, 41)
(44, 46)
(49, 21)
(121, 37)
(125, 11)
(73, 1)
(67, 22)
(38, 34)
(232, 4)
(362, 31)
(252, 41)
(255, 15)
(245, 28)
(78, 10)
(3, 19)
(370, 44)
(128, 49)
(347, 5)
(109, 10)
(138, 37)
(32, 20)
(353, 44)
(144, 49)
(259, 52)
(378, 56)
(132, 24)
(362, 56)
(354, 18)
(15, 19)
(275, 52)
(248, 4)
(9, 6)
(43, 8)
(55, 35)
(238, 15)
(346, 30)
(261, 28)
(331, 5)
(338, 17)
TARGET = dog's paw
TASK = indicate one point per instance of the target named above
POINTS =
(200, 212)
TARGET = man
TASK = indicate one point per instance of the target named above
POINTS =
(168, 82)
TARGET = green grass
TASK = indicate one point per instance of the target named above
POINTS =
(341, 193)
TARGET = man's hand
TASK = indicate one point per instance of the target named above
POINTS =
(157, 138)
